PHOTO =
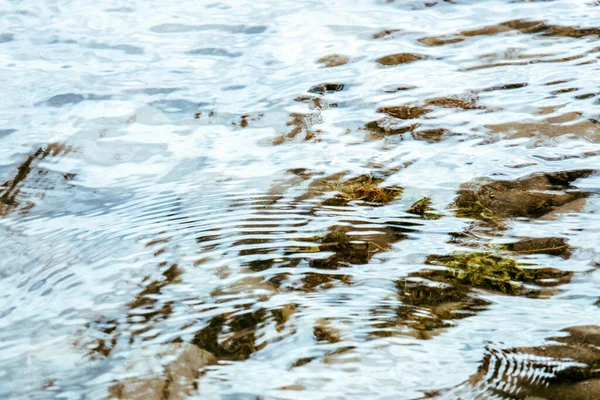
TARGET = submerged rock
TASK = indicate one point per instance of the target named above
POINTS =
(324, 88)
(431, 135)
(363, 188)
(400, 58)
(166, 373)
(495, 273)
(519, 25)
(387, 126)
(333, 60)
(423, 208)
(429, 306)
(454, 102)
(232, 336)
(550, 245)
(568, 369)
(529, 197)
(10, 191)
(404, 112)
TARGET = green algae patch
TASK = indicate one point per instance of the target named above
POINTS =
(494, 273)
(433, 298)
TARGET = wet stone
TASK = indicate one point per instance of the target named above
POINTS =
(324, 88)
(231, 336)
(363, 188)
(454, 102)
(333, 60)
(399, 58)
(385, 33)
(404, 112)
(529, 197)
(434, 41)
(551, 245)
(167, 372)
(566, 370)
(431, 135)
(387, 127)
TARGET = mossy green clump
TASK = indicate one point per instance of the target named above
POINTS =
(475, 210)
(362, 188)
(493, 272)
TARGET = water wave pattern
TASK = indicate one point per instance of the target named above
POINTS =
(333, 200)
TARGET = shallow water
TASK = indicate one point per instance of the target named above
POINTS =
(182, 172)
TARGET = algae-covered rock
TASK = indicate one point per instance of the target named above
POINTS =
(494, 273)
(363, 188)
(529, 197)
(166, 372)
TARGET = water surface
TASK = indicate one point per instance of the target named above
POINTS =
(248, 177)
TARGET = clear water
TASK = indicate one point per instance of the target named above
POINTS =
(160, 161)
